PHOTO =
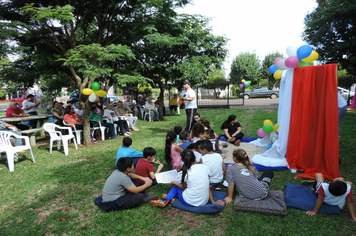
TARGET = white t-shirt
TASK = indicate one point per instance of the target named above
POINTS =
(197, 179)
(27, 104)
(214, 162)
(188, 94)
(198, 156)
(112, 114)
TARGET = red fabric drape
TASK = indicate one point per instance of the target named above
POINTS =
(313, 143)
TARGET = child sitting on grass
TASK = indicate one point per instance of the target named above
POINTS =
(215, 163)
(197, 133)
(177, 130)
(119, 191)
(336, 194)
(172, 152)
(125, 151)
(195, 148)
(246, 179)
(144, 165)
(194, 189)
(183, 136)
(209, 134)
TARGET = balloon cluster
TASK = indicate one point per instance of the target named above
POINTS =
(297, 57)
(244, 83)
(267, 128)
(95, 91)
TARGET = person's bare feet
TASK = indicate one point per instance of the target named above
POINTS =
(231, 139)
(237, 143)
(126, 134)
(135, 129)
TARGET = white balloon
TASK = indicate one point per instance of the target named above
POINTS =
(92, 97)
(281, 65)
(292, 50)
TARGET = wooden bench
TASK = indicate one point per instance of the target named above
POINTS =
(32, 135)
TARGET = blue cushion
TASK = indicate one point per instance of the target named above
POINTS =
(205, 209)
(304, 198)
(276, 168)
(244, 139)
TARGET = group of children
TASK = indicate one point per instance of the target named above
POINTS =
(201, 168)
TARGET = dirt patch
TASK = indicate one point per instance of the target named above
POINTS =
(77, 161)
(191, 221)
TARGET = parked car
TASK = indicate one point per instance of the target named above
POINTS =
(345, 93)
(260, 92)
(24, 97)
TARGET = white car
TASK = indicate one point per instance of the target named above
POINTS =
(345, 93)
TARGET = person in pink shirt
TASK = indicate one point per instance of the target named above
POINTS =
(172, 152)
(14, 110)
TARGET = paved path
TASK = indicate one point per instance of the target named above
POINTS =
(260, 103)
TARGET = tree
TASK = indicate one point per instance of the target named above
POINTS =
(245, 66)
(331, 29)
(90, 39)
(176, 49)
(266, 63)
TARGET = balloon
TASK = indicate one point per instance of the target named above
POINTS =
(273, 69)
(276, 127)
(277, 60)
(304, 51)
(100, 93)
(313, 56)
(243, 80)
(292, 50)
(95, 86)
(92, 97)
(292, 62)
(281, 65)
(241, 85)
(87, 91)
(303, 64)
(261, 133)
(267, 128)
(245, 85)
(248, 83)
(277, 74)
(267, 122)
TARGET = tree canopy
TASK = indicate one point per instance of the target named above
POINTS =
(245, 66)
(330, 28)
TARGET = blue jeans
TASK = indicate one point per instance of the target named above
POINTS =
(111, 128)
(32, 123)
(342, 111)
(175, 191)
(18, 141)
(123, 126)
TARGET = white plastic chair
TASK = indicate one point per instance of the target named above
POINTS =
(6, 146)
(116, 127)
(78, 133)
(57, 135)
(102, 129)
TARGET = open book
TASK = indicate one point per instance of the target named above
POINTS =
(167, 177)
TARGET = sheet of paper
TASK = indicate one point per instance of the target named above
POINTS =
(167, 177)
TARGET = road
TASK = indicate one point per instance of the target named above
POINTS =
(261, 103)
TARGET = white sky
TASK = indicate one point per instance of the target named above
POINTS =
(260, 26)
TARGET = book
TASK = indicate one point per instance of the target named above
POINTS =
(167, 176)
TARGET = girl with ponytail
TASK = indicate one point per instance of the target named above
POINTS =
(172, 152)
(194, 189)
(245, 178)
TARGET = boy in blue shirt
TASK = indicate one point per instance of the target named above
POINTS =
(125, 151)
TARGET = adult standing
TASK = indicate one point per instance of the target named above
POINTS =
(342, 106)
(14, 111)
(30, 107)
(189, 97)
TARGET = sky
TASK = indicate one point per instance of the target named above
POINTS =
(260, 26)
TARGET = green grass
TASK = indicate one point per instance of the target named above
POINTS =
(37, 195)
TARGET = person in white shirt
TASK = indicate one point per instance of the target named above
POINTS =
(78, 109)
(189, 97)
(30, 107)
(214, 161)
(342, 106)
(131, 105)
(112, 117)
(151, 108)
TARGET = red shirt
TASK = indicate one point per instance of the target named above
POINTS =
(143, 168)
(72, 118)
(9, 111)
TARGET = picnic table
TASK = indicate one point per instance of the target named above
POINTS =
(31, 132)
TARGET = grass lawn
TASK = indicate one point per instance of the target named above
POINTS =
(55, 195)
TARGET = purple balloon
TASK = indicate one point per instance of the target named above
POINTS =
(277, 60)
(292, 62)
(241, 85)
(261, 133)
